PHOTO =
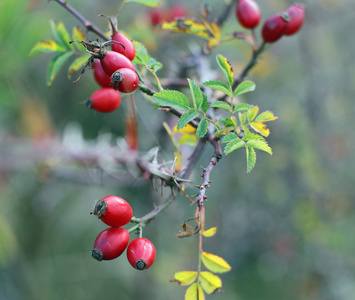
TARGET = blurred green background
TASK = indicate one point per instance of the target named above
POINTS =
(287, 228)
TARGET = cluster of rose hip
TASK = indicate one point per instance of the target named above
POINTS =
(113, 71)
(286, 23)
(112, 242)
(159, 14)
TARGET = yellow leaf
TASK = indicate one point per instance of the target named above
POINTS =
(185, 277)
(187, 129)
(215, 263)
(194, 292)
(210, 232)
(261, 128)
(252, 113)
(210, 282)
(47, 46)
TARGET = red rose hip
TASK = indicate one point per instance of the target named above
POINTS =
(112, 61)
(99, 74)
(274, 27)
(296, 13)
(110, 244)
(125, 80)
(141, 253)
(104, 100)
(248, 13)
(113, 211)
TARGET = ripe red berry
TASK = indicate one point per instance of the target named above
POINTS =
(113, 211)
(248, 13)
(104, 100)
(156, 16)
(141, 253)
(99, 74)
(296, 13)
(112, 61)
(176, 11)
(274, 27)
(125, 80)
(110, 244)
(129, 51)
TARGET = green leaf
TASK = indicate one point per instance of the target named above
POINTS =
(205, 105)
(47, 46)
(185, 277)
(154, 65)
(151, 3)
(221, 104)
(55, 65)
(214, 263)
(202, 128)
(233, 145)
(173, 99)
(259, 144)
(186, 118)
(265, 116)
(242, 106)
(229, 137)
(252, 113)
(242, 117)
(210, 282)
(244, 87)
(142, 57)
(61, 34)
(253, 136)
(77, 64)
(219, 86)
(226, 68)
(194, 292)
(196, 94)
(78, 36)
(251, 158)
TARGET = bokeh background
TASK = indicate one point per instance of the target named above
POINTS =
(287, 228)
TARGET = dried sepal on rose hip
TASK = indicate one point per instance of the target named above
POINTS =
(125, 80)
(248, 13)
(297, 15)
(110, 244)
(274, 27)
(113, 211)
(104, 100)
(141, 253)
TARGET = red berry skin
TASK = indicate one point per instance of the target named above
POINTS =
(248, 13)
(113, 211)
(156, 16)
(176, 11)
(125, 80)
(110, 243)
(104, 100)
(274, 28)
(296, 13)
(129, 51)
(141, 253)
(100, 76)
(112, 61)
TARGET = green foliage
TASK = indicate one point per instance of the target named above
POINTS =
(63, 50)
